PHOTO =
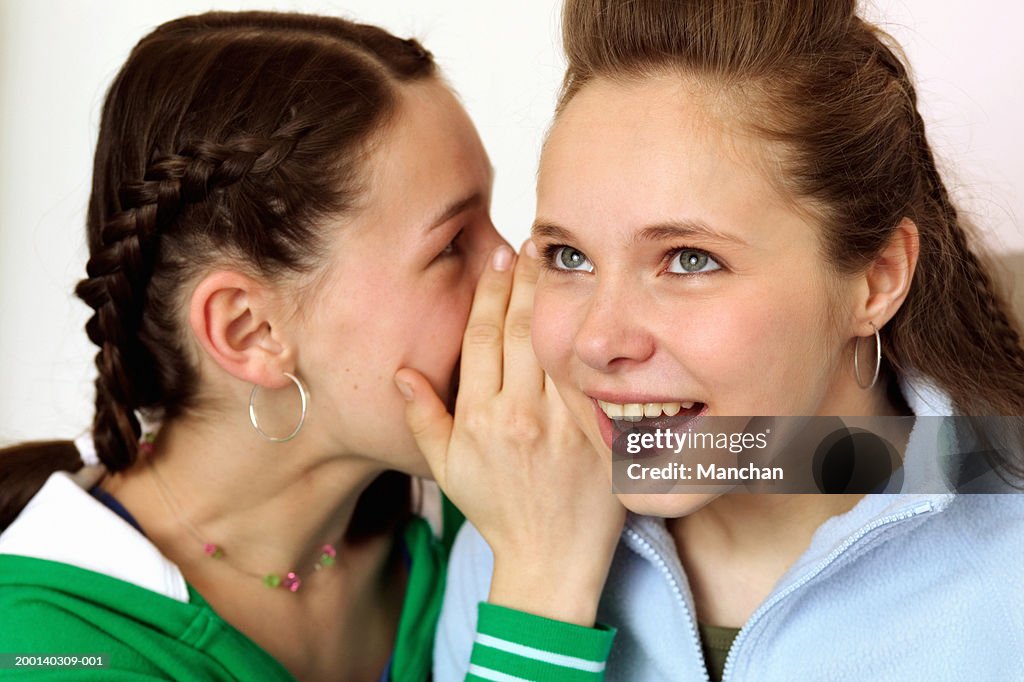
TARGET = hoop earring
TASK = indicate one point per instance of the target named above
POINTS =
(878, 359)
(302, 417)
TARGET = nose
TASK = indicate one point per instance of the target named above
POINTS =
(613, 335)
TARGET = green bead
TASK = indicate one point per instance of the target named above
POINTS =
(326, 560)
(272, 580)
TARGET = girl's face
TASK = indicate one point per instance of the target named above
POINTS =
(399, 285)
(675, 272)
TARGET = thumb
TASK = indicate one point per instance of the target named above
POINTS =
(428, 419)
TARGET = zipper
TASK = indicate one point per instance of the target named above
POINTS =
(918, 509)
(654, 555)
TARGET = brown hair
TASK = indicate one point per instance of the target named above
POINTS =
(829, 87)
(226, 137)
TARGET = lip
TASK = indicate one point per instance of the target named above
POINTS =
(626, 398)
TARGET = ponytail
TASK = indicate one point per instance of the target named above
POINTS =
(24, 469)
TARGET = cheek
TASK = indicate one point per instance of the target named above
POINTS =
(760, 352)
(434, 323)
(554, 328)
(556, 321)
(387, 325)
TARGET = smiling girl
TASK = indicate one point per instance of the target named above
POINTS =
(734, 198)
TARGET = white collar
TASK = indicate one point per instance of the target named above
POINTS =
(924, 398)
(64, 523)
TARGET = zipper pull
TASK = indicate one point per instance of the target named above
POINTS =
(922, 508)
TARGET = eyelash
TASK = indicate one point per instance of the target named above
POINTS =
(451, 248)
(550, 251)
(674, 254)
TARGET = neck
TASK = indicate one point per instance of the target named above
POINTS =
(270, 507)
(771, 528)
(736, 548)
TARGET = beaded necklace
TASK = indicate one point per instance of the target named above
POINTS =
(290, 580)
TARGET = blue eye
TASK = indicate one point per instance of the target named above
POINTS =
(574, 260)
(692, 261)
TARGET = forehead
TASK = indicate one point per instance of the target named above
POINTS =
(427, 157)
(661, 147)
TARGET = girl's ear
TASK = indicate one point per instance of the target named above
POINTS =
(887, 280)
(236, 321)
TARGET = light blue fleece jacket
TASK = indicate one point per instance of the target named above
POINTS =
(900, 588)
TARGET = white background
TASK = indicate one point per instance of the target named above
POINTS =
(58, 56)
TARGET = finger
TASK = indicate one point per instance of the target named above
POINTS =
(427, 418)
(522, 372)
(480, 371)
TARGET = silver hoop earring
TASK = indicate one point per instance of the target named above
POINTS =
(878, 359)
(302, 417)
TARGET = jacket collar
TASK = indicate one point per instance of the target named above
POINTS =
(64, 523)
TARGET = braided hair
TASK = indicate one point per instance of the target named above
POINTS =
(224, 137)
(120, 269)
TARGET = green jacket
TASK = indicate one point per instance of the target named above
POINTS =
(76, 579)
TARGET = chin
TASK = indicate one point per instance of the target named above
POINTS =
(665, 505)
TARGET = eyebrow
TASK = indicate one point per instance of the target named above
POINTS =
(686, 229)
(455, 208)
(675, 229)
(551, 231)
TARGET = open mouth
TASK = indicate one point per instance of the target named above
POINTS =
(615, 419)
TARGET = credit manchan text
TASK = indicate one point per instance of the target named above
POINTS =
(702, 472)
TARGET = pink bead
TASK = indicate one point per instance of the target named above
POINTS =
(210, 548)
(292, 581)
(330, 551)
(146, 448)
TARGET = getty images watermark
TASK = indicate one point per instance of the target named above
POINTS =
(820, 455)
(667, 440)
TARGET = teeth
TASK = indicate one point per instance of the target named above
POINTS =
(634, 412)
(611, 409)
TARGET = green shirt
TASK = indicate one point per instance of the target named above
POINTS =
(716, 642)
